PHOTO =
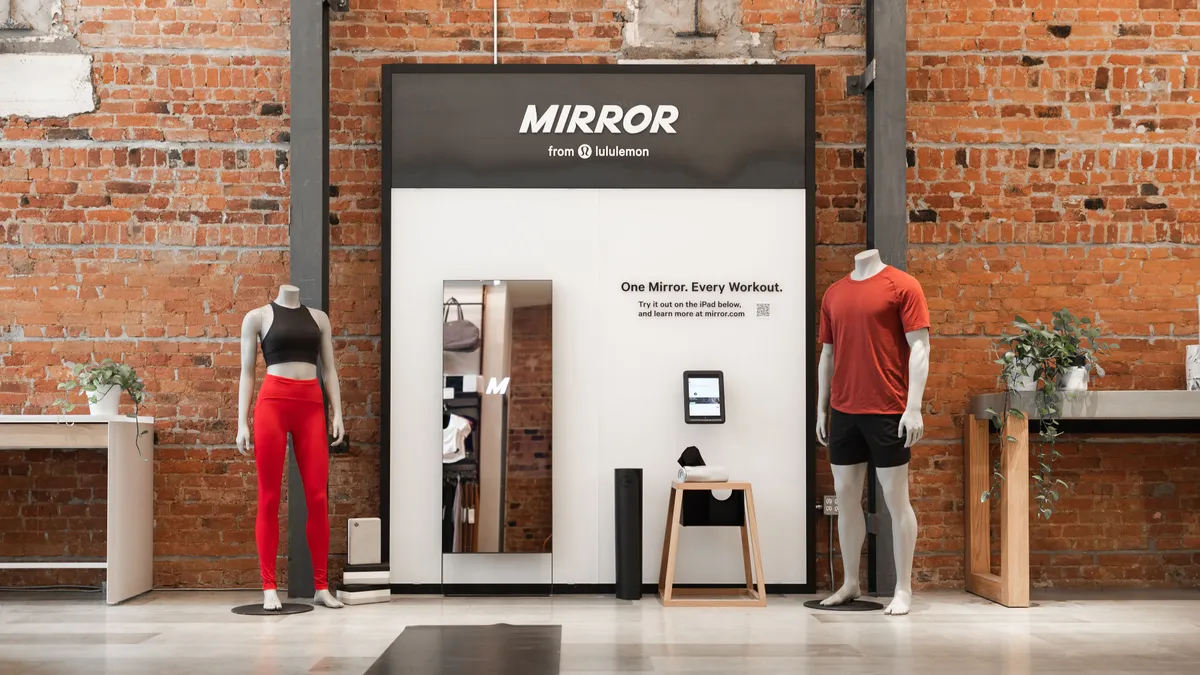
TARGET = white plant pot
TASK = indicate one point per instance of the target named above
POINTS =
(106, 402)
(1073, 379)
(1193, 368)
(1023, 382)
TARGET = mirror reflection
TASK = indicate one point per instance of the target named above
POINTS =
(496, 416)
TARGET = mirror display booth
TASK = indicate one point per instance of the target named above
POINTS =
(572, 239)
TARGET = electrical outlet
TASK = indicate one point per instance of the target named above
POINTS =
(829, 505)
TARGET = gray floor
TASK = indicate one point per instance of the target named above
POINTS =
(186, 633)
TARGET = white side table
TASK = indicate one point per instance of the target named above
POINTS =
(129, 551)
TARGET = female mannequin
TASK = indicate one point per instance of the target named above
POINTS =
(290, 402)
(882, 415)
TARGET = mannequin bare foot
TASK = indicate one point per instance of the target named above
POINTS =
(324, 597)
(849, 592)
(271, 601)
(900, 604)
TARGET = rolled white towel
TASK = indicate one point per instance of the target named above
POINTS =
(702, 474)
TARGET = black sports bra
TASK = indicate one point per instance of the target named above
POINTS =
(294, 336)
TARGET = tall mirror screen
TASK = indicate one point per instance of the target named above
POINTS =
(496, 416)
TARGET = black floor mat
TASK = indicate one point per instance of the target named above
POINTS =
(472, 650)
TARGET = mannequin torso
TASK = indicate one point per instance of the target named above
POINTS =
(265, 315)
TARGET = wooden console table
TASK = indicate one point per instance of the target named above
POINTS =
(1108, 412)
(753, 595)
(129, 552)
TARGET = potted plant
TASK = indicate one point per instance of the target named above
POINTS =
(102, 384)
(1079, 343)
(1040, 363)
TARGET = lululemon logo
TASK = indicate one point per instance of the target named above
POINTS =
(585, 151)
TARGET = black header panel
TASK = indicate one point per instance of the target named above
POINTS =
(598, 126)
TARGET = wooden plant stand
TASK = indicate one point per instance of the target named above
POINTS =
(755, 592)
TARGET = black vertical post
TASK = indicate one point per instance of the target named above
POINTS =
(309, 225)
(887, 217)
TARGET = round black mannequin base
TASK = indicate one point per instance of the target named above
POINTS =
(852, 606)
(288, 608)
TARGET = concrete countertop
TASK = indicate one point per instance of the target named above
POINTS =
(1113, 405)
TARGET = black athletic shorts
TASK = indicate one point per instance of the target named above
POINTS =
(854, 439)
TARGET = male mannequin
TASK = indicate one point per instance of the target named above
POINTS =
(290, 402)
(872, 373)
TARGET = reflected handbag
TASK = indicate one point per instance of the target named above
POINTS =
(458, 335)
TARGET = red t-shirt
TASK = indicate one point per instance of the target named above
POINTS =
(865, 321)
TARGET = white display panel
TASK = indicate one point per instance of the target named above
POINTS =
(704, 397)
(616, 374)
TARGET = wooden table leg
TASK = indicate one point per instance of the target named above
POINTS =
(746, 555)
(673, 546)
(662, 568)
(1014, 514)
(130, 538)
(977, 466)
(754, 546)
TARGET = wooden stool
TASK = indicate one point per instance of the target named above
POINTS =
(751, 596)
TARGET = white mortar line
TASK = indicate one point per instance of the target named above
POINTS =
(390, 53)
(142, 145)
(1062, 52)
(188, 50)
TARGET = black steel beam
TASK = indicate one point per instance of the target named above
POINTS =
(887, 212)
(883, 82)
(309, 225)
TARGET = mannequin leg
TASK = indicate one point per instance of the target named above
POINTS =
(309, 438)
(894, 482)
(270, 449)
(848, 483)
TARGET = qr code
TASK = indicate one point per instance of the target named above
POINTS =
(762, 310)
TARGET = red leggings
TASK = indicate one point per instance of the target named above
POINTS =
(291, 406)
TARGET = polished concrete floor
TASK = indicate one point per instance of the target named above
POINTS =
(191, 633)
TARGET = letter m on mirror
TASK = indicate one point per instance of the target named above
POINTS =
(494, 387)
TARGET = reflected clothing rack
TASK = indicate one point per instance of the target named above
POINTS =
(460, 500)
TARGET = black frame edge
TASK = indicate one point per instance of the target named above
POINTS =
(385, 325)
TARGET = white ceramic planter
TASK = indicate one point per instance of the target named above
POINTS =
(1193, 368)
(107, 402)
(1023, 382)
(1073, 379)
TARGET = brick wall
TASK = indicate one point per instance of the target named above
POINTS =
(53, 503)
(1053, 163)
(527, 485)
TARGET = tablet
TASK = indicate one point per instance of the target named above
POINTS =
(703, 397)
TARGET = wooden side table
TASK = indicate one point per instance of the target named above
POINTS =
(129, 540)
(1106, 412)
(755, 592)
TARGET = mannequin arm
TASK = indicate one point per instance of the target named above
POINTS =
(330, 378)
(911, 423)
(250, 328)
(824, 380)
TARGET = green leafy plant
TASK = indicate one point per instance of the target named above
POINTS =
(95, 379)
(1041, 353)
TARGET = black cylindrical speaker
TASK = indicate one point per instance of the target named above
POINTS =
(628, 511)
